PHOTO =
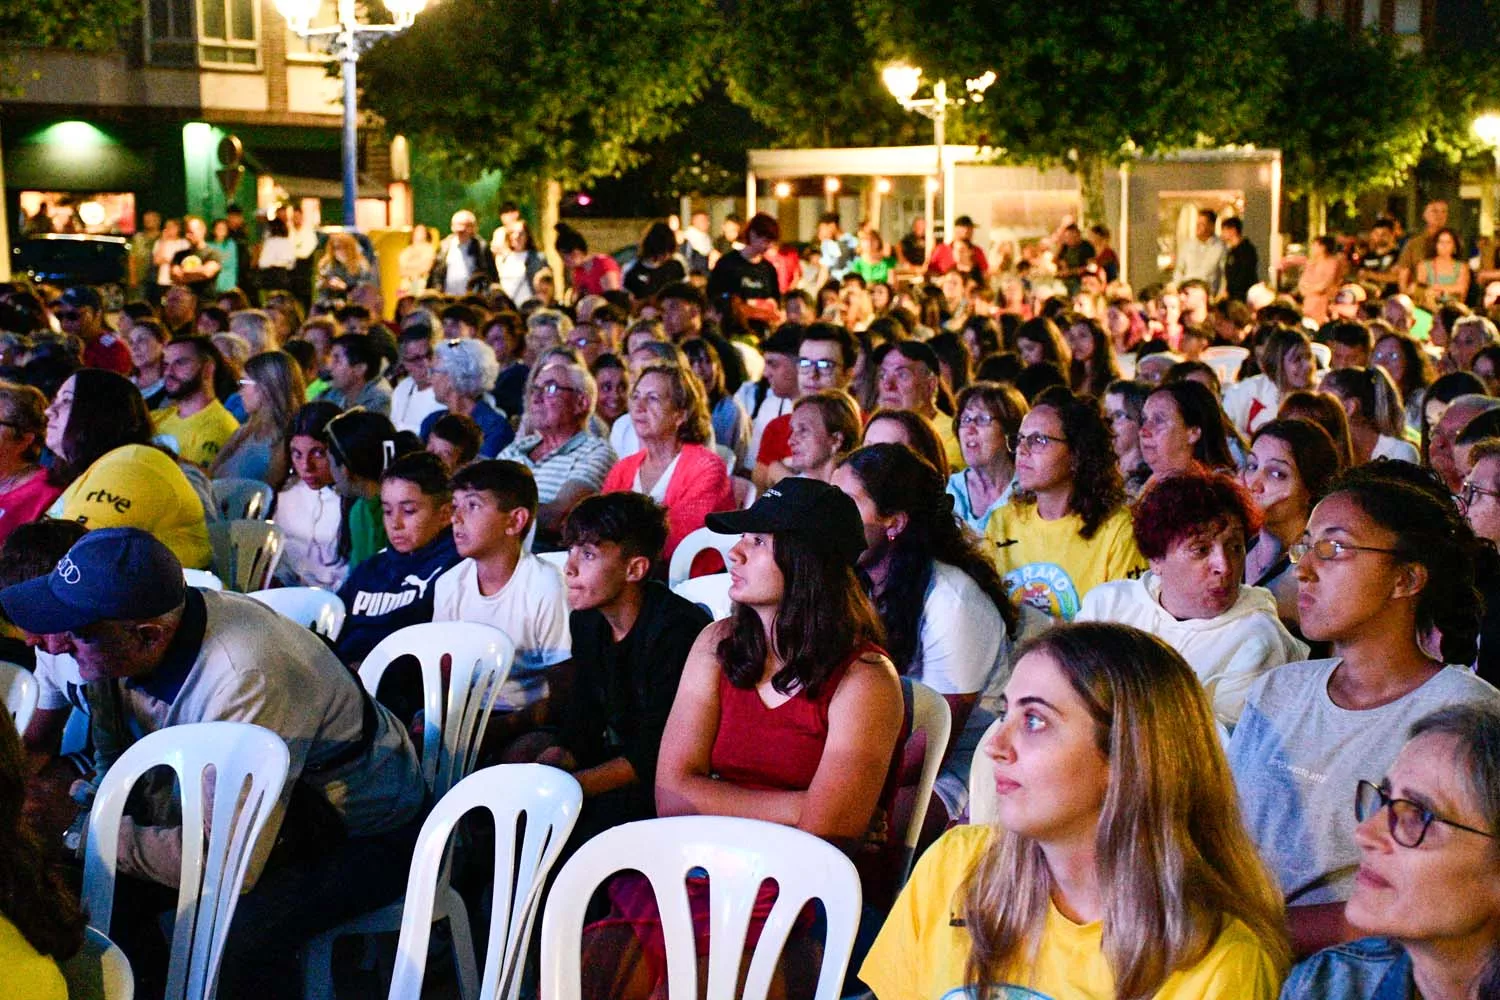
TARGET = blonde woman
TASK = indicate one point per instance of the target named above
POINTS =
(272, 391)
(1118, 865)
(417, 259)
(342, 267)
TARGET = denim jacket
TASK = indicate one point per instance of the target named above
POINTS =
(1368, 969)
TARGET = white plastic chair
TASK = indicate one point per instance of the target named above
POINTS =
(453, 729)
(18, 685)
(240, 499)
(727, 454)
(202, 579)
(250, 767)
(708, 592)
(738, 854)
(245, 553)
(312, 607)
(550, 800)
(100, 970)
(982, 797)
(1225, 360)
(931, 715)
(558, 559)
(696, 542)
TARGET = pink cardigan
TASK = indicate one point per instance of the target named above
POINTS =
(699, 487)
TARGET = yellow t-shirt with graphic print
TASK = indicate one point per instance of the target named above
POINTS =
(138, 486)
(197, 438)
(1049, 566)
(922, 948)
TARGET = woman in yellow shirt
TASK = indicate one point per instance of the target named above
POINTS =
(1118, 866)
(40, 922)
(1066, 528)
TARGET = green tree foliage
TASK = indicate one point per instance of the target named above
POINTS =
(1092, 82)
(1353, 112)
(82, 25)
(807, 73)
(545, 90)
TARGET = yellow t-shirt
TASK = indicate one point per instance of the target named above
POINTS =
(200, 436)
(137, 486)
(943, 424)
(26, 973)
(1049, 566)
(921, 951)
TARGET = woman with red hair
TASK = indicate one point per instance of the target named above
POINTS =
(1192, 528)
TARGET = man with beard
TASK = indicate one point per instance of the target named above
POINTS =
(194, 419)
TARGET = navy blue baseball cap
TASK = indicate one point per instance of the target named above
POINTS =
(111, 573)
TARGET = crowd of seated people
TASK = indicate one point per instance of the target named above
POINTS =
(1219, 639)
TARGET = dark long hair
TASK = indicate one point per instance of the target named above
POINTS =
(823, 618)
(1094, 375)
(31, 896)
(901, 481)
(1098, 490)
(1413, 504)
(1198, 408)
(108, 413)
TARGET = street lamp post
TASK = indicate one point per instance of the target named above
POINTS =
(347, 40)
(903, 81)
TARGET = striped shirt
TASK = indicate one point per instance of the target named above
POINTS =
(584, 459)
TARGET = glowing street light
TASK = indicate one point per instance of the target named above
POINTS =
(903, 81)
(782, 190)
(1487, 129)
(348, 40)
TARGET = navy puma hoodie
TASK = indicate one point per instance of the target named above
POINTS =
(390, 591)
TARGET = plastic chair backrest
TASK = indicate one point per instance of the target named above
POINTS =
(1225, 360)
(245, 553)
(241, 499)
(708, 592)
(453, 727)
(19, 687)
(202, 579)
(982, 797)
(688, 549)
(311, 607)
(250, 766)
(558, 559)
(727, 454)
(930, 715)
(738, 854)
(100, 970)
(550, 800)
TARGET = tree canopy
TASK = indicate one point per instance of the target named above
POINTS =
(73, 24)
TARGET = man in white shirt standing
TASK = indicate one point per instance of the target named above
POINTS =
(1203, 256)
(413, 399)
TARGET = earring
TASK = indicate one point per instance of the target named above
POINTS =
(890, 534)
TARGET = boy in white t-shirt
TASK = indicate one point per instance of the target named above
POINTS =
(500, 584)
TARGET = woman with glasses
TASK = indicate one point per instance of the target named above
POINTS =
(462, 372)
(1288, 470)
(1386, 562)
(1066, 529)
(1428, 889)
(1116, 865)
(675, 465)
(272, 392)
(989, 414)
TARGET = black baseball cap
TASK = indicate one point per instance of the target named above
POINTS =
(822, 516)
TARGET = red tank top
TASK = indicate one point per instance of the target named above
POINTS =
(795, 732)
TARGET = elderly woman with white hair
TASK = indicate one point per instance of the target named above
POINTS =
(568, 462)
(462, 372)
(257, 328)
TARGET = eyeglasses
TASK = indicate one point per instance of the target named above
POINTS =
(582, 342)
(247, 382)
(1469, 491)
(976, 420)
(550, 389)
(1032, 442)
(823, 365)
(1386, 356)
(1408, 820)
(1326, 549)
